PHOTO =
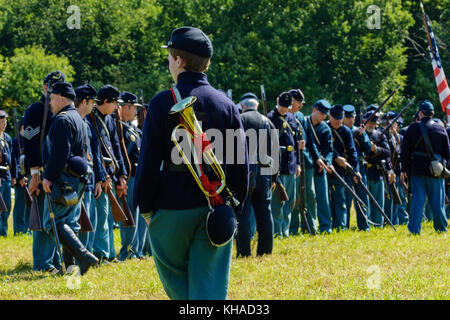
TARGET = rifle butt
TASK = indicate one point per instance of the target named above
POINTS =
(84, 221)
(34, 223)
(116, 210)
(28, 199)
(3, 206)
(129, 223)
(282, 192)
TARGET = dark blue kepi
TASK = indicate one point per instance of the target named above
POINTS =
(221, 224)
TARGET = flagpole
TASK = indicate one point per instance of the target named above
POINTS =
(430, 45)
(426, 29)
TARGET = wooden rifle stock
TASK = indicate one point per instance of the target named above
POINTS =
(3, 206)
(34, 223)
(28, 199)
(84, 221)
(281, 190)
(126, 209)
(116, 209)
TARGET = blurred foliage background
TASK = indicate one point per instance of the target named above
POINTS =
(330, 49)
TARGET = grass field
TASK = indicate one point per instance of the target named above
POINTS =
(380, 264)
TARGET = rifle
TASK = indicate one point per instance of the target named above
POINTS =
(380, 106)
(55, 233)
(34, 223)
(16, 131)
(396, 117)
(116, 210)
(303, 187)
(350, 190)
(142, 111)
(397, 200)
(84, 221)
(130, 221)
(282, 194)
(371, 197)
(263, 99)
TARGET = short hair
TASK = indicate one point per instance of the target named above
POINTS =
(249, 103)
(427, 113)
(192, 61)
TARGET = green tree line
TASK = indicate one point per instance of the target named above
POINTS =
(341, 50)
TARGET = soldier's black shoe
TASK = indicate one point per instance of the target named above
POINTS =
(74, 246)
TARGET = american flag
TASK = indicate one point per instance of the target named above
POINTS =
(439, 75)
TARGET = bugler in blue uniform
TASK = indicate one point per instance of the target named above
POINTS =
(189, 265)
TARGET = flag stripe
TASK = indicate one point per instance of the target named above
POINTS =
(439, 76)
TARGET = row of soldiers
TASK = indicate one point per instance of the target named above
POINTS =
(366, 166)
(75, 151)
(368, 159)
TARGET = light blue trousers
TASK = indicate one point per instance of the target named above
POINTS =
(281, 212)
(21, 214)
(323, 202)
(5, 190)
(434, 190)
(87, 238)
(101, 235)
(189, 266)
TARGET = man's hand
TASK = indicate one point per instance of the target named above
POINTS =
(121, 189)
(403, 176)
(341, 161)
(320, 164)
(391, 177)
(329, 169)
(301, 144)
(357, 178)
(361, 129)
(23, 182)
(107, 184)
(97, 190)
(374, 148)
(298, 172)
(34, 184)
(47, 185)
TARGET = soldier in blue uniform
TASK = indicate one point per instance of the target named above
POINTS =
(422, 142)
(289, 165)
(189, 265)
(259, 194)
(133, 238)
(84, 103)
(7, 172)
(311, 154)
(376, 159)
(344, 152)
(21, 214)
(322, 138)
(44, 250)
(363, 146)
(104, 126)
(66, 171)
